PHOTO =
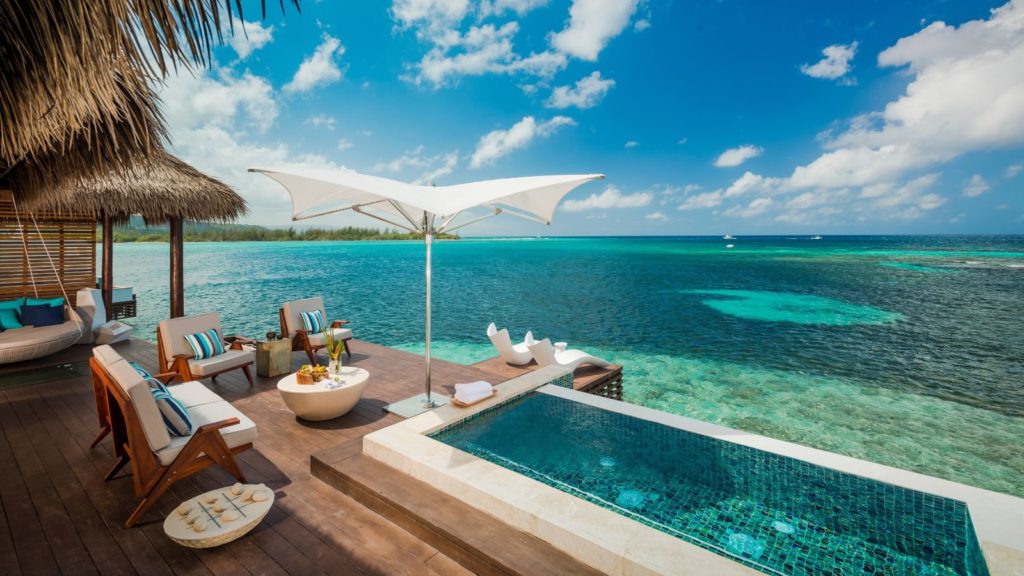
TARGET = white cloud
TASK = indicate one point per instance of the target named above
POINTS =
(642, 24)
(213, 118)
(499, 7)
(448, 163)
(498, 143)
(320, 69)
(587, 93)
(433, 166)
(611, 197)
(1013, 170)
(485, 49)
(835, 64)
(751, 182)
(736, 156)
(409, 159)
(966, 93)
(344, 144)
(321, 121)
(592, 23)
(682, 140)
(756, 207)
(657, 216)
(702, 200)
(975, 186)
(218, 99)
(631, 144)
(249, 37)
(430, 13)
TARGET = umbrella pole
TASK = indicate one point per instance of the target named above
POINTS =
(428, 239)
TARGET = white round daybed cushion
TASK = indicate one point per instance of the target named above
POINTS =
(28, 343)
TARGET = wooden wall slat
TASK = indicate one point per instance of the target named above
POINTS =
(70, 240)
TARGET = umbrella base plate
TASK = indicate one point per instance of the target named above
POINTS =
(413, 406)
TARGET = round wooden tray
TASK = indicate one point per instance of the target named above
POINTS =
(218, 531)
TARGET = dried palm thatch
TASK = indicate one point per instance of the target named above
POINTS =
(159, 189)
(74, 80)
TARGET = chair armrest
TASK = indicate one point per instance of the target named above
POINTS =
(339, 323)
(214, 426)
(168, 377)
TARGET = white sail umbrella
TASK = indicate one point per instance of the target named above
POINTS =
(426, 210)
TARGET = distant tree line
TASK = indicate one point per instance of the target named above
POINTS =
(134, 231)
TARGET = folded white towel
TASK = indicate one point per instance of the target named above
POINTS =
(474, 388)
(471, 398)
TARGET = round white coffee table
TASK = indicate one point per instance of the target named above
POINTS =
(318, 402)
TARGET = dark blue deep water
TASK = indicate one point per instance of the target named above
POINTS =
(907, 351)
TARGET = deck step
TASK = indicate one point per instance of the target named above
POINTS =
(477, 541)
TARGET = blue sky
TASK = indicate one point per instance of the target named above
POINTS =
(708, 117)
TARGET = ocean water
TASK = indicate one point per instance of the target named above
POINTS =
(907, 351)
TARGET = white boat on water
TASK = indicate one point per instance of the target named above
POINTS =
(815, 237)
(730, 245)
(728, 237)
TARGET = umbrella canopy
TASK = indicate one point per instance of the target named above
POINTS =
(316, 192)
(428, 210)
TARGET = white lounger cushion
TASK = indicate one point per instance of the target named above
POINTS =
(193, 394)
(221, 362)
(242, 433)
(339, 334)
(141, 397)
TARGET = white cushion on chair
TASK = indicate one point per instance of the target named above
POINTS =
(293, 313)
(339, 334)
(141, 397)
(106, 355)
(221, 362)
(242, 433)
(193, 394)
(174, 330)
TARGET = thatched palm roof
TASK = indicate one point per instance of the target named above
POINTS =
(74, 81)
(162, 188)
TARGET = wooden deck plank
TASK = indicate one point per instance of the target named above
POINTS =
(67, 517)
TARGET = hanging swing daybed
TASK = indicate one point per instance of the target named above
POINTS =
(19, 344)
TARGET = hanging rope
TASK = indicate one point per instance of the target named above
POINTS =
(24, 245)
(71, 311)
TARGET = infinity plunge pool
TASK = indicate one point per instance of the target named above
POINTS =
(773, 513)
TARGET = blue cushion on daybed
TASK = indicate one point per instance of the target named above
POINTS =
(44, 302)
(9, 319)
(42, 315)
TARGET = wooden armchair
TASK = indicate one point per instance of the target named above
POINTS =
(292, 327)
(140, 437)
(106, 355)
(175, 354)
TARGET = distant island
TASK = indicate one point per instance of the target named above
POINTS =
(137, 231)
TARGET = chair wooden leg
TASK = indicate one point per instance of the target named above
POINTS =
(213, 378)
(248, 374)
(309, 352)
(348, 348)
(121, 461)
(103, 434)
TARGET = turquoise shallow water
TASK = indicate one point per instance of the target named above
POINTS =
(907, 351)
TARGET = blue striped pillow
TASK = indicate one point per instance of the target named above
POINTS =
(154, 384)
(175, 415)
(314, 321)
(205, 344)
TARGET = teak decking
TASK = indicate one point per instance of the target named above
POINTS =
(59, 516)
